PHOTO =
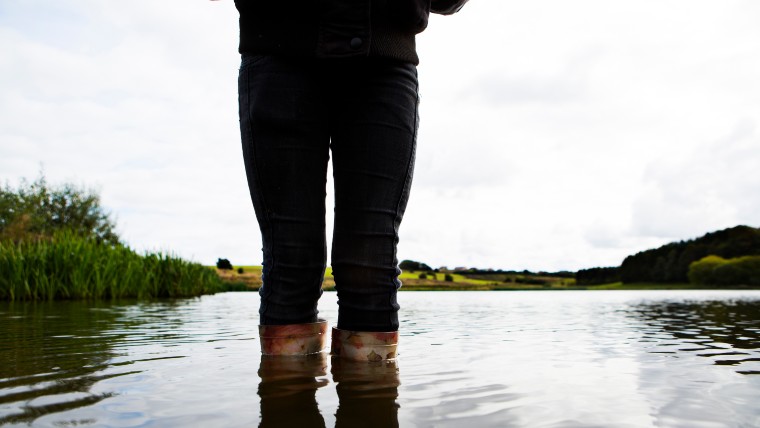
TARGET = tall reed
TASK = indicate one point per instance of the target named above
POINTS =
(71, 267)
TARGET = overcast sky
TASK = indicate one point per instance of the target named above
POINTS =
(554, 135)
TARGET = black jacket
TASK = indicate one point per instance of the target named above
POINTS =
(337, 28)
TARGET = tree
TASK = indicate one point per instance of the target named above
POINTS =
(670, 263)
(37, 210)
(411, 266)
(223, 264)
(597, 275)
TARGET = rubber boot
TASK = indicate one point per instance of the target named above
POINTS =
(364, 345)
(293, 339)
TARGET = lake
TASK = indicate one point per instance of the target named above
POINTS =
(466, 359)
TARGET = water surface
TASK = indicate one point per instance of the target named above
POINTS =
(472, 359)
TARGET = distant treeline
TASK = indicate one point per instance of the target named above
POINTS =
(598, 275)
(481, 272)
(670, 263)
(413, 266)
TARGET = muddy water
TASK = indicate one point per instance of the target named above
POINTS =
(466, 359)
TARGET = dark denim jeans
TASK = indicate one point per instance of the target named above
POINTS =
(293, 113)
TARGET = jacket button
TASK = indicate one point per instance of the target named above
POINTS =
(356, 43)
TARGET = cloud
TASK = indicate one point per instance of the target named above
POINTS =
(558, 85)
(713, 188)
(119, 99)
(553, 135)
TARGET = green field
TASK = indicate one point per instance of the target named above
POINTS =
(250, 279)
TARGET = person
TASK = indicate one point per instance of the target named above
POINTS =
(318, 78)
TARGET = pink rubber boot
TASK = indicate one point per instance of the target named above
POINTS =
(364, 345)
(293, 339)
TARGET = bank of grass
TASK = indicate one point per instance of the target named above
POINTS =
(70, 267)
(657, 286)
(234, 280)
(250, 279)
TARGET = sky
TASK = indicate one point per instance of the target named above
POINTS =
(554, 135)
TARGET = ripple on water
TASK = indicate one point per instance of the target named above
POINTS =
(467, 359)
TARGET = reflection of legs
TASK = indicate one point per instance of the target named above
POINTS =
(374, 123)
(367, 393)
(288, 390)
(286, 148)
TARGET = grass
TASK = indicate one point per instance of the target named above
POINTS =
(71, 267)
(657, 286)
(250, 279)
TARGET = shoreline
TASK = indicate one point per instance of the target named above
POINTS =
(250, 280)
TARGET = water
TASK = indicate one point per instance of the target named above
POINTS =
(467, 359)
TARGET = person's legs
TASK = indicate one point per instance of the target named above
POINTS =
(284, 130)
(373, 129)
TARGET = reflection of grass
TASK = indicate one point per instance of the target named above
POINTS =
(71, 267)
(77, 338)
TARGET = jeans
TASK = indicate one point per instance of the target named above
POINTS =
(294, 112)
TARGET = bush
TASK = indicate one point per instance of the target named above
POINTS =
(422, 276)
(448, 278)
(37, 211)
(715, 270)
(223, 264)
(240, 271)
(702, 271)
(531, 281)
(57, 242)
(729, 274)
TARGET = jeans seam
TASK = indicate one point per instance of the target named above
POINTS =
(406, 188)
(258, 190)
(249, 60)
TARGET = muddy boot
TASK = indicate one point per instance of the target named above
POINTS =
(293, 339)
(364, 345)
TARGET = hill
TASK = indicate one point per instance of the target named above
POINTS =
(670, 263)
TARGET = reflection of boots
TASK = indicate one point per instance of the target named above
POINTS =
(364, 345)
(293, 339)
(288, 383)
(367, 393)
